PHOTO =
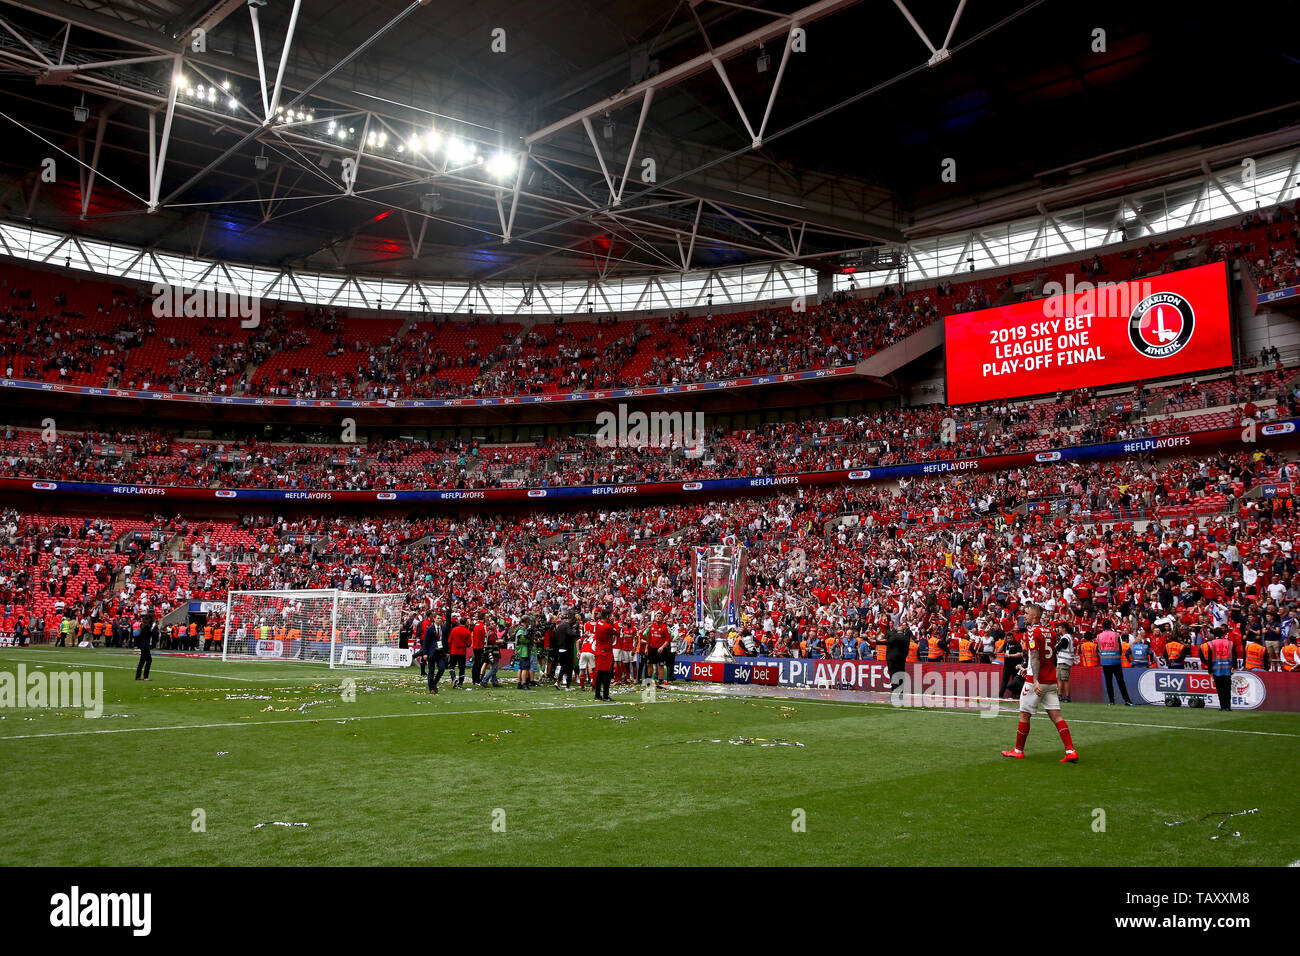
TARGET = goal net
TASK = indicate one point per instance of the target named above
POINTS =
(343, 628)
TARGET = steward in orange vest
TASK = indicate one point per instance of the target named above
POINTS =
(1088, 656)
(1174, 652)
(1256, 656)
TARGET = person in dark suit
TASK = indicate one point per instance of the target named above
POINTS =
(897, 640)
(434, 646)
(563, 645)
(1012, 667)
(143, 642)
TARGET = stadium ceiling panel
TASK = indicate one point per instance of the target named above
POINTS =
(578, 140)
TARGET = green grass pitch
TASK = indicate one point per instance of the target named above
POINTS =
(402, 778)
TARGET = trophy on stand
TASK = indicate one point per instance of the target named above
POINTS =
(719, 592)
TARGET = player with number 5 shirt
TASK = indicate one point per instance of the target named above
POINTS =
(1040, 686)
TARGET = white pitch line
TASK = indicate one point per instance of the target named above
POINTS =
(158, 670)
(976, 712)
(298, 720)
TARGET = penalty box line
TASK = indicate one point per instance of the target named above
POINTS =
(956, 711)
(545, 708)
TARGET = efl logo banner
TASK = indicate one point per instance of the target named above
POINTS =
(1248, 691)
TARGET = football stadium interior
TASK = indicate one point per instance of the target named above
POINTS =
(570, 413)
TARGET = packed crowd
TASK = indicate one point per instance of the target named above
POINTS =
(924, 433)
(1179, 543)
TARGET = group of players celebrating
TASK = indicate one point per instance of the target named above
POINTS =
(597, 648)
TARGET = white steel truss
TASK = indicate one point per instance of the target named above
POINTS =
(1194, 203)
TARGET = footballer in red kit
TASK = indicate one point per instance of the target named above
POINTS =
(661, 648)
(623, 638)
(1040, 686)
(587, 654)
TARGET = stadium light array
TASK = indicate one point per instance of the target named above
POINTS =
(502, 165)
(457, 151)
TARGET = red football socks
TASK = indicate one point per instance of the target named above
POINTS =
(1063, 729)
(1022, 731)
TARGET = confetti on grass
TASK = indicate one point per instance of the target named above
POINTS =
(489, 737)
(277, 823)
(735, 742)
(1223, 815)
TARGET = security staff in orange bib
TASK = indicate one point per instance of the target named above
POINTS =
(1291, 657)
(1175, 653)
(934, 649)
(1088, 656)
(1256, 654)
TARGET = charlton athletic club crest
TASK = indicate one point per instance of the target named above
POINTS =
(1161, 325)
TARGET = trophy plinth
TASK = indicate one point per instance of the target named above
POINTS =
(720, 652)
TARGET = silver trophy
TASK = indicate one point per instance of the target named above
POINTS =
(721, 570)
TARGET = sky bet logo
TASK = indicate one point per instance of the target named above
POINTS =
(75, 909)
(1279, 428)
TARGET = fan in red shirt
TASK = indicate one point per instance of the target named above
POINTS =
(1040, 686)
(604, 640)
(478, 640)
(458, 642)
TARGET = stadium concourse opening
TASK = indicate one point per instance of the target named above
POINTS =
(694, 433)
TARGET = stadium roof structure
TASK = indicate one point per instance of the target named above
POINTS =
(501, 141)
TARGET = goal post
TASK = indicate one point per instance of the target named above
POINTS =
(341, 628)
